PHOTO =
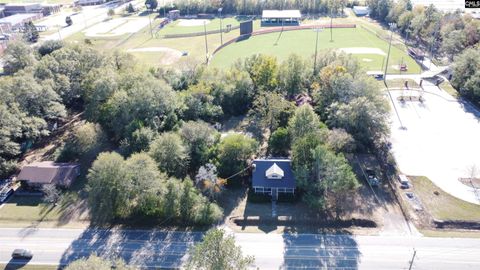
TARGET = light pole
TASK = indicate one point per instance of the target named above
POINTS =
(392, 27)
(316, 29)
(206, 44)
(221, 31)
(149, 18)
(331, 22)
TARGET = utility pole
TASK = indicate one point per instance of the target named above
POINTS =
(392, 26)
(221, 31)
(206, 44)
(413, 259)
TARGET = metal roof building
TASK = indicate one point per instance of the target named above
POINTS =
(281, 17)
(273, 176)
(16, 21)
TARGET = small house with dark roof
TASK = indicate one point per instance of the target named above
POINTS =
(273, 176)
(37, 174)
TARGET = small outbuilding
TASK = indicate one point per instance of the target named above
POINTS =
(37, 174)
(361, 10)
(17, 21)
(281, 17)
(273, 176)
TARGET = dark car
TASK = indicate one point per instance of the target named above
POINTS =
(20, 253)
(372, 177)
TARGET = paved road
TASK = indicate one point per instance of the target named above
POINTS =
(272, 251)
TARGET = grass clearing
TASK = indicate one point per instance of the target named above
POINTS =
(447, 87)
(450, 233)
(302, 42)
(443, 206)
(28, 267)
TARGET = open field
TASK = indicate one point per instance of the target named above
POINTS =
(62, 2)
(28, 267)
(443, 206)
(355, 41)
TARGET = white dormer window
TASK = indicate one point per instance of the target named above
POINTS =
(274, 172)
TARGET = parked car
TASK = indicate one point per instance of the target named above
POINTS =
(21, 253)
(372, 178)
(404, 182)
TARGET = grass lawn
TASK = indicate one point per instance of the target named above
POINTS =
(62, 2)
(443, 206)
(447, 87)
(33, 211)
(28, 267)
(450, 233)
(303, 43)
(176, 28)
(399, 83)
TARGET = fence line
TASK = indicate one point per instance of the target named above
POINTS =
(196, 34)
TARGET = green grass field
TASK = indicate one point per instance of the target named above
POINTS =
(61, 2)
(443, 206)
(303, 43)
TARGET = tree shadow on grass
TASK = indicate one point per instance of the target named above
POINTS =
(320, 251)
(144, 249)
(15, 264)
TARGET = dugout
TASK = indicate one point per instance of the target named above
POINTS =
(281, 17)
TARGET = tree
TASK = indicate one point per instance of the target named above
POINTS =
(108, 192)
(366, 121)
(453, 43)
(270, 111)
(170, 153)
(30, 33)
(68, 21)
(263, 71)
(187, 201)
(130, 8)
(97, 263)
(233, 152)
(50, 194)
(303, 121)
(88, 139)
(218, 251)
(18, 56)
(333, 177)
(208, 181)
(111, 12)
(200, 138)
(466, 72)
(49, 46)
(292, 75)
(151, 4)
(139, 141)
(279, 142)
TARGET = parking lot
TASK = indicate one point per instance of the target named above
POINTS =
(437, 138)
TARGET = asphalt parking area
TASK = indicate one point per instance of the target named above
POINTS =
(439, 139)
